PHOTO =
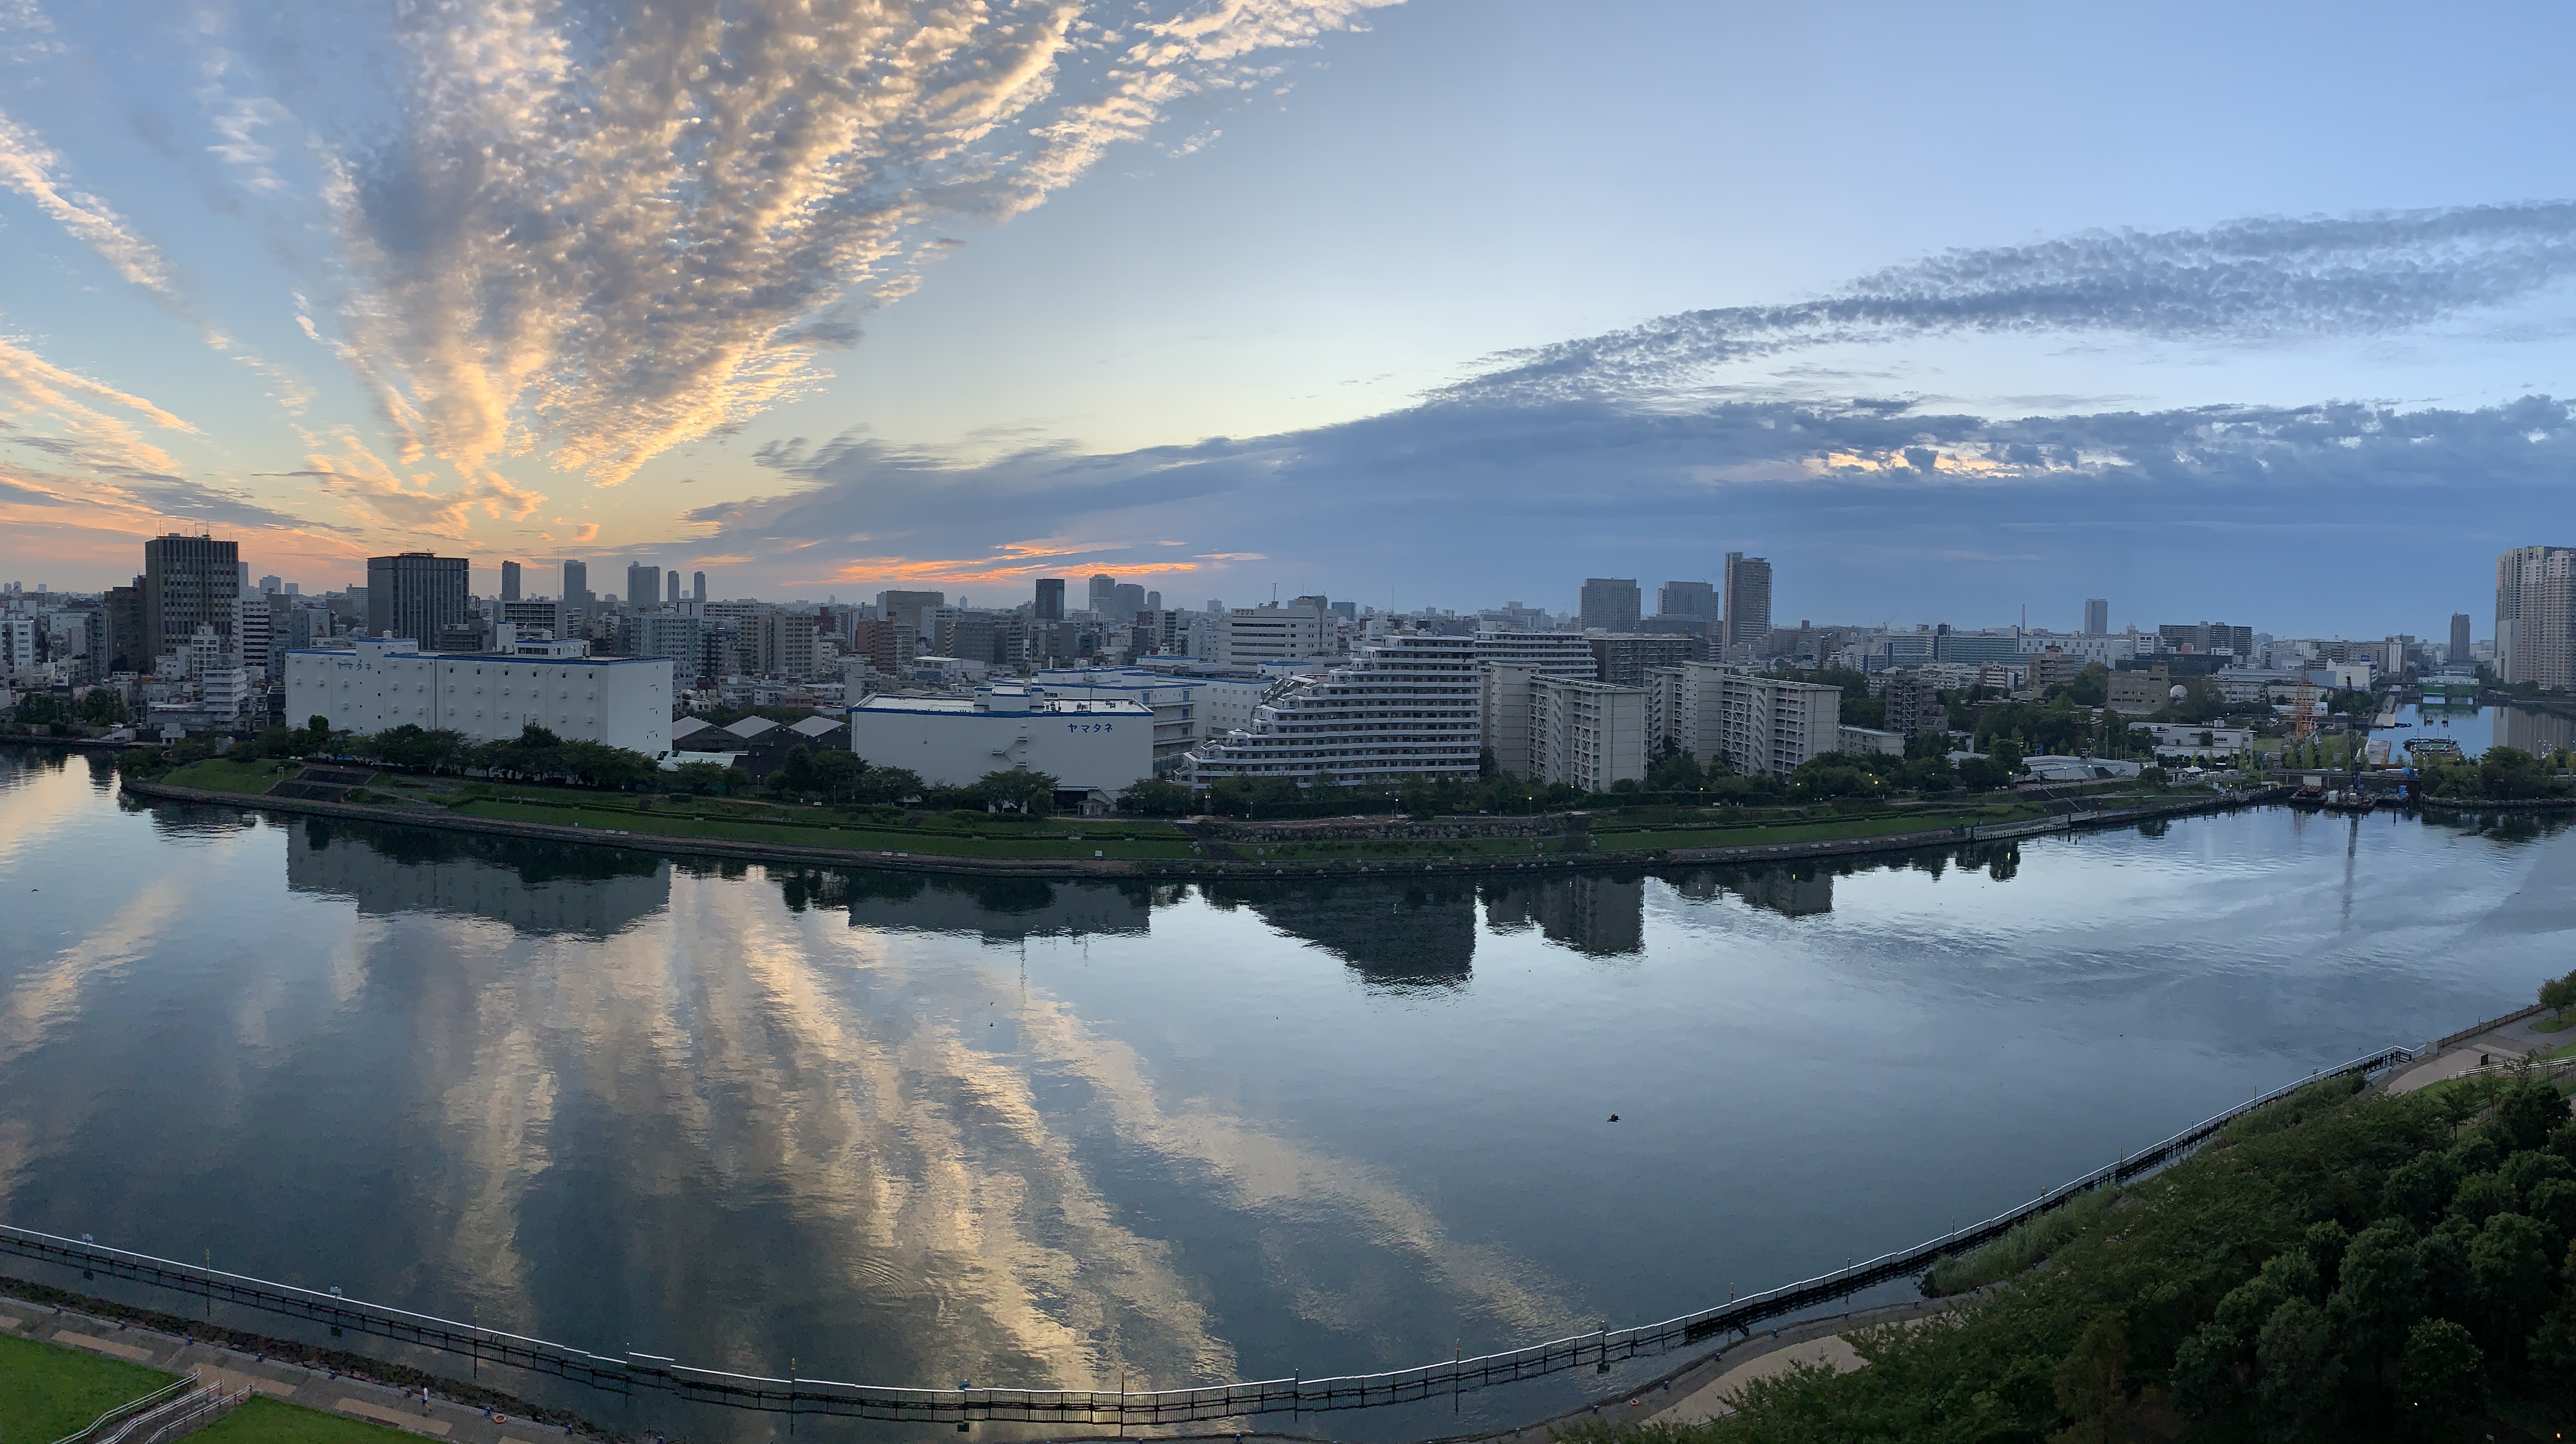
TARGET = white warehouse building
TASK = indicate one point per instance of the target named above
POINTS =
(373, 684)
(1095, 745)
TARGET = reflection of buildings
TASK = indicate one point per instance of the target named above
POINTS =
(1417, 934)
(1791, 891)
(999, 909)
(2533, 732)
(534, 887)
(1597, 916)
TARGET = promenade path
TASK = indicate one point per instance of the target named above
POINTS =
(2507, 1043)
(294, 1384)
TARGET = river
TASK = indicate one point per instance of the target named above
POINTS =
(914, 1130)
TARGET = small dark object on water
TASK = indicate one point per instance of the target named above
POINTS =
(1614, 1117)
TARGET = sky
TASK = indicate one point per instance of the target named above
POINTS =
(2255, 314)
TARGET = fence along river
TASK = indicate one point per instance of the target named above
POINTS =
(632, 1372)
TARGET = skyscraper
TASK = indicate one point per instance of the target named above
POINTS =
(2535, 636)
(643, 586)
(1748, 599)
(1687, 599)
(2461, 646)
(509, 581)
(1126, 600)
(674, 597)
(1104, 594)
(1050, 606)
(188, 582)
(414, 594)
(576, 589)
(2097, 617)
(698, 587)
(1610, 603)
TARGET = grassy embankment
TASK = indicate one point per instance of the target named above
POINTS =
(2339, 1265)
(49, 1390)
(885, 829)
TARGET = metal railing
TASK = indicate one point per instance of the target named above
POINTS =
(634, 1372)
(113, 1417)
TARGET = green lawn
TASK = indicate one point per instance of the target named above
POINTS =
(49, 1390)
(274, 1421)
(219, 774)
(1070, 838)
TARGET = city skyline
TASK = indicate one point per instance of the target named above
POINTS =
(1118, 325)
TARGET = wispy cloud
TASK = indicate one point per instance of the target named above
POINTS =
(32, 169)
(602, 232)
(2250, 280)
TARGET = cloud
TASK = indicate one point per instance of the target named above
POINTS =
(33, 170)
(2250, 280)
(584, 237)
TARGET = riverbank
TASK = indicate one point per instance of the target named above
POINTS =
(1182, 854)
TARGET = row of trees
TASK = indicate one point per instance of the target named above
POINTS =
(2500, 774)
(98, 707)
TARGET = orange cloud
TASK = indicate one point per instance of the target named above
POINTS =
(1012, 565)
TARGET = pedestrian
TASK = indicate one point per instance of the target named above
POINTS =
(424, 1399)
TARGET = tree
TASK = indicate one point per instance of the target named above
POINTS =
(2300, 1374)
(2527, 1114)
(2559, 993)
(101, 707)
(1674, 770)
(1153, 797)
(2442, 1370)
(2509, 1281)
(698, 778)
(2090, 1385)
(1017, 789)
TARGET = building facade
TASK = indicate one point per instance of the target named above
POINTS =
(414, 594)
(1586, 734)
(1689, 599)
(2097, 616)
(377, 683)
(1748, 600)
(1561, 654)
(188, 582)
(1298, 632)
(1087, 745)
(2535, 636)
(1610, 604)
(1620, 659)
(1408, 706)
(1761, 723)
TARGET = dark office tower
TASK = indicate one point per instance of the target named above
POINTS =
(674, 597)
(415, 594)
(126, 650)
(1748, 599)
(509, 581)
(576, 588)
(1127, 599)
(1611, 603)
(1104, 593)
(188, 582)
(1153, 601)
(2097, 617)
(643, 586)
(2460, 643)
(1686, 599)
(698, 587)
(1050, 599)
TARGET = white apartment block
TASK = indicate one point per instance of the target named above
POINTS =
(1765, 725)
(1087, 745)
(1273, 633)
(1407, 706)
(1586, 734)
(1562, 654)
(373, 684)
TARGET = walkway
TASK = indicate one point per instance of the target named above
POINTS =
(312, 1388)
(2506, 1043)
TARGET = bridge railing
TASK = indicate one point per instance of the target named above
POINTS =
(631, 1371)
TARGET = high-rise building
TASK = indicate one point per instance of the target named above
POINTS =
(1913, 705)
(2204, 637)
(910, 609)
(1610, 603)
(1050, 603)
(2097, 616)
(698, 587)
(1620, 659)
(576, 598)
(1762, 723)
(671, 597)
(1126, 600)
(188, 582)
(2461, 645)
(1687, 599)
(1154, 602)
(1561, 654)
(1407, 706)
(643, 586)
(414, 595)
(2535, 637)
(127, 647)
(1748, 600)
(1104, 594)
(1271, 632)
(783, 643)
(271, 585)
(509, 581)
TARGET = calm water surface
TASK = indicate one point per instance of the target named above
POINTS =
(910, 1130)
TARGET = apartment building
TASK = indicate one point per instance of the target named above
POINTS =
(1408, 706)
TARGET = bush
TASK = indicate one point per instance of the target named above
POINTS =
(2559, 993)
